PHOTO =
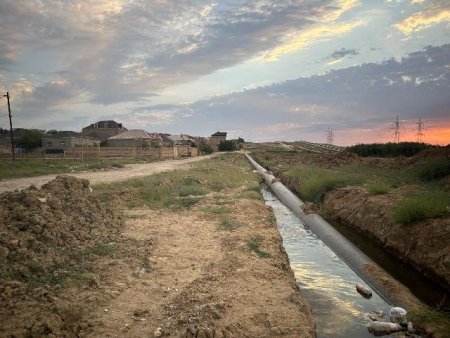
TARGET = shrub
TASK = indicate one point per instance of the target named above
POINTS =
(430, 204)
(378, 188)
(389, 149)
(435, 170)
(227, 145)
(205, 148)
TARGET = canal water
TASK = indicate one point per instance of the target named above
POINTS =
(324, 279)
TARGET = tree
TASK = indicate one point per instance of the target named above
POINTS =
(31, 139)
(227, 145)
(205, 147)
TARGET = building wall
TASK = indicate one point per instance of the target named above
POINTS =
(107, 131)
(215, 140)
(66, 142)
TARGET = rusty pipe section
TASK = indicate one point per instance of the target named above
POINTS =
(341, 246)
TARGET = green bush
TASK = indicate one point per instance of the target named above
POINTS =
(378, 188)
(388, 149)
(430, 204)
(434, 170)
(227, 145)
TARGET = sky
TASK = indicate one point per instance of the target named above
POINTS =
(262, 70)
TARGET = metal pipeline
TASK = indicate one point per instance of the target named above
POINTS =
(341, 246)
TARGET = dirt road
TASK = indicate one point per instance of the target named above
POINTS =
(130, 171)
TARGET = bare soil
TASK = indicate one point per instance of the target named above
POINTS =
(73, 267)
(424, 244)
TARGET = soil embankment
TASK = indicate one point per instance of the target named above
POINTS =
(210, 265)
(423, 244)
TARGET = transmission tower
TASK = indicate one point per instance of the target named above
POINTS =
(330, 136)
(396, 127)
(420, 128)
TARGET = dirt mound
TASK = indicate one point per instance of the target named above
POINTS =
(45, 236)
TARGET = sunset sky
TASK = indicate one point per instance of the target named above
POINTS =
(263, 70)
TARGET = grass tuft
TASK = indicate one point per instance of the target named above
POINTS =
(429, 204)
(215, 209)
(227, 224)
(254, 244)
(378, 188)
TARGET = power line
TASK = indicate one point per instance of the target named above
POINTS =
(330, 136)
(420, 128)
(396, 127)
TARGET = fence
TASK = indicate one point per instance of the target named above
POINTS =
(109, 153)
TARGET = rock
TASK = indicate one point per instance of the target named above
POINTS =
(42, 199)
(410, 327)
(383, 328)
(158, 332)
(397, 315)
(364, 291)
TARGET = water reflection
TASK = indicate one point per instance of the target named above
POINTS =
(325, 280)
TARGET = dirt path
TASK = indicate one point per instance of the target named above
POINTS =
(203, 281)
(130, 171)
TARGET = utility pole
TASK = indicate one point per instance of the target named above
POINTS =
(10, 126)
(420, 128)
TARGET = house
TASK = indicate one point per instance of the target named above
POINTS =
(178, 140)
(135, 138)
(217, 137)
(102, 130)
(66, 139)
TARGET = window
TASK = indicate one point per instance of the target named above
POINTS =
(63, 143)
(49, 144)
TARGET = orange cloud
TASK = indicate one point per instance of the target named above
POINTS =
(305, 38)
(422, 20)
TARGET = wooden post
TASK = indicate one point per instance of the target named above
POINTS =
(82, 145)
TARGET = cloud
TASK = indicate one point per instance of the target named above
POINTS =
(438, 12)
(360, 97)
(343, 52)
(120, 51)
(307, 37)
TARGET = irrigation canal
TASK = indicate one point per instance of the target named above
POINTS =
(324, 279)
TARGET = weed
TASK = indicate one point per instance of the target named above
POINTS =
(227, 224)
(433, 318)
(101, 249)
(378, 188)
(254, 244)
(429, 204)
(434, 170)
(188, 190)
(185, 202)
(315, 182)
(215, 209)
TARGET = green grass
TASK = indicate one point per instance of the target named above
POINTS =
(378, 188)
(434, 170)
(430, 317)
(215, 209)
(428, 204)
(36, 167)
(316, 181)
(101, 249)
(228, 224)
(182, 189)
(254, 244)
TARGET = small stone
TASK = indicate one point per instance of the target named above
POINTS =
(158, 332)
(410, 327)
